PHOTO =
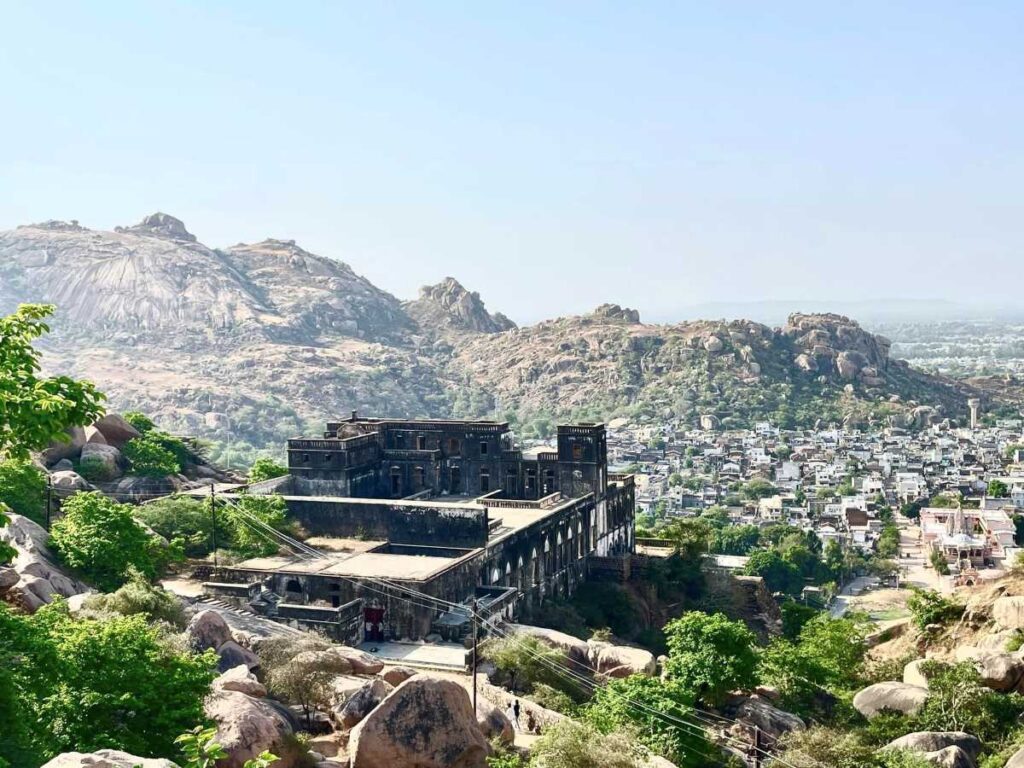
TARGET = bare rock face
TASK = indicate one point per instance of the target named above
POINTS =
(493, 723)
(753, 710)
(230, 655)
(1008, 612)
(246, 727)
(1017, 760)
(116, 430)
(38, 577)
(930, 742)
(426, 722)
(950, 757)
(449, 305)
(161, 225)
(69, 480)
(240, 679)
(620, 660)
(208, 630)
(362, 701)
(892, 696)
(395, 676)
(65, 449)
(576, 649)
(362, 663)
(106, 758)
(616, 313)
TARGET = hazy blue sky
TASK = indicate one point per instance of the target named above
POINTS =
(552, 156)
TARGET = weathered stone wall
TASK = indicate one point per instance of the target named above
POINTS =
(399, 523)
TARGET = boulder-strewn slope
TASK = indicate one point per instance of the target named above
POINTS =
(260, 341)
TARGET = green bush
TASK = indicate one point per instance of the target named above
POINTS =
(929, 607)
(266, 469)
(139, 597)
(100, 539)
(710, 655)
(23, 489)
(149, 456)
(186, 519)
(71, 684)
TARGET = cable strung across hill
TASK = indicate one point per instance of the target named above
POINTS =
(700, 718)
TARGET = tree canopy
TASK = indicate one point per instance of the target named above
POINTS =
(101, 539)
(36, 410)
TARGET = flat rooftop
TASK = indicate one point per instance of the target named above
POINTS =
(363, 565)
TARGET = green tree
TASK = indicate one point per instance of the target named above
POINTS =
(998, 489)
(758, 489)
(101, 539)
(184, 519)
(139, 597)
(247, 539)
(959, 701)
(778, 574)
(140, 421)
(646, 706)
(23, 488)
(570, 744)
(150, 457)
(35, 410)
(523, 661)
(675, 479)
(737, 539)
(929, 607)
(266, 469)
(88, 684)
(710, 655)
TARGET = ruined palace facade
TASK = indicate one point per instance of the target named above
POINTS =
(451, 509)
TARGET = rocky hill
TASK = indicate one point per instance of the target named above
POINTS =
(258, 342)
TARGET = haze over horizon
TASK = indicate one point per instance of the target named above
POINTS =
(551, 158)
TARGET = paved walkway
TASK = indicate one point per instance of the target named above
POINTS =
(843, 600)
(451, 656)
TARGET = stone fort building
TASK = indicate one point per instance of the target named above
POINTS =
(453, 509)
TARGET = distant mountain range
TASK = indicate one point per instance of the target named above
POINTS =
(258, 342)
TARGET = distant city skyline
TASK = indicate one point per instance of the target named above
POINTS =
(662, 156)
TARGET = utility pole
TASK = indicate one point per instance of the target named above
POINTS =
(49, 499)
(475, 638)
(213, 515)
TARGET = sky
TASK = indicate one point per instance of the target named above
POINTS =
(552, 156)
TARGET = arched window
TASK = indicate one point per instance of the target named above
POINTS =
(293, 585)
(396, 481)
(485, 480)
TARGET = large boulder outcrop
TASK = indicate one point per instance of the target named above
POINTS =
(576, 649)
(106, 758)
(1008, 612)
(104, 461)
(755, 711)
(936, 741)
(1003, 672)
(950, 757)
(248, 726)
(620, 660)
(361, 662)
(360, 703)
(230, 655)
(426, 722)
(207, 630)
(33, 578)
(116, 430)
(1016, 760)
(493, 723)
(449, 304)
(890, 696)
(68, 448)
(69, 480)
(395, 676)
(240, 679)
